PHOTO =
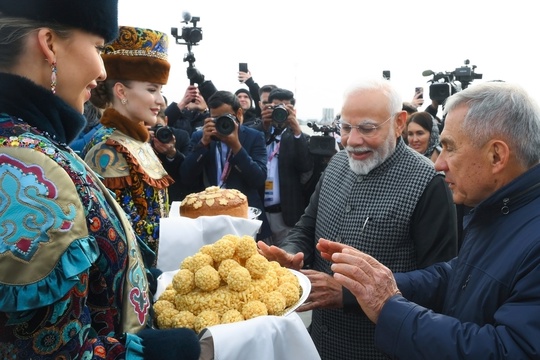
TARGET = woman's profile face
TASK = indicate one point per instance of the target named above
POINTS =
(79, 67)
(144, 101)
(417, 137)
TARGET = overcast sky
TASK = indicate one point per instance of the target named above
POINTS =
(318, 49)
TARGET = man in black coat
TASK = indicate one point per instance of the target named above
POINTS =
(288, 159)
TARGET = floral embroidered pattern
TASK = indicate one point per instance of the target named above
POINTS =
(23, 238)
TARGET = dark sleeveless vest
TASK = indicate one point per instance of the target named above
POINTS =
(371, 213)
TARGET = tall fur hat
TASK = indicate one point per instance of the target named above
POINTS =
(98, 17)
(138, 54)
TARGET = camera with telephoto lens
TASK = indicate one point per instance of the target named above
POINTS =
(225, 124)
(280, 114)
(448, 83)
(163, 133)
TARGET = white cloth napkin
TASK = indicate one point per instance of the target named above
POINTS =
(261, 338)
(180, 237)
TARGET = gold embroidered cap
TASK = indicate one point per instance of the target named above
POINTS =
(138, 54)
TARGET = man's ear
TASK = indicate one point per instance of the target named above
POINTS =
(499, 155)
(240, 115)
(401, 122)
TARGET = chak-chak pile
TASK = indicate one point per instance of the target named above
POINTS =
(226, 282)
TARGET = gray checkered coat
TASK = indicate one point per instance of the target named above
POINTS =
(371, 213)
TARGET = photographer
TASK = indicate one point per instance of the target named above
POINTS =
(170, 145)
(189, 113)
(284, 196)
(227, 154)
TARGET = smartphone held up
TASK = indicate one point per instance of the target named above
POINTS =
(419, 91)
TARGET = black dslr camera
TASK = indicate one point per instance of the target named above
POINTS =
(163, 133)
(280, 114)
(191, 35)
(225, 124)
(450, 82)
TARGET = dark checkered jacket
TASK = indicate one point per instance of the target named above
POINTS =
(376, 214)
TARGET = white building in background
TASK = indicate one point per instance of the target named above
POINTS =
(327, 116)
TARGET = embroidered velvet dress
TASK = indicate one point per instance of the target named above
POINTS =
(121, 153)
(72, 278)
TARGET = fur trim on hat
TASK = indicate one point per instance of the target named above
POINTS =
(121, 67)
(99, 17)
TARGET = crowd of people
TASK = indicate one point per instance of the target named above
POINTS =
(421, 237)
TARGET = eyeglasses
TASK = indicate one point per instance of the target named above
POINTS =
(367, 130)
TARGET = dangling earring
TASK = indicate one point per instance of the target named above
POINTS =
(53, 77)
(123, 101)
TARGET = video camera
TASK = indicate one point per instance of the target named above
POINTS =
(191, 35)
(325, 144)
(450, 82)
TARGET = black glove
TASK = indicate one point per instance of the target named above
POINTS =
(194, 75)
(170, 344)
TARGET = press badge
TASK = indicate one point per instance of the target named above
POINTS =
(269, 190)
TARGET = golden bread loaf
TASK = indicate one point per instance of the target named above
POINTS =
(215, 201)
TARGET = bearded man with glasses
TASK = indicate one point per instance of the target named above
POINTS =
(376, 195)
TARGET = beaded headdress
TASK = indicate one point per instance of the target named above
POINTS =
(137, 54)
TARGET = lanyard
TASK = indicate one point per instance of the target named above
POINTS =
(226, 169)
(275, 152)
(223, 165)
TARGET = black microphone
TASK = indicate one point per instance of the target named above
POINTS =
(186, 16)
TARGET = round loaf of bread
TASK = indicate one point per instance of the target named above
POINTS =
(215, 201)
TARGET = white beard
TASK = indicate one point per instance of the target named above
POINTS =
(379, 155)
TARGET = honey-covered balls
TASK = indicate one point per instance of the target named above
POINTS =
(207, 278)
(257, 266)
(197, 261)
(223, 249)
(274, 301)
(231, 316)
(183, 281)
(253, 309)
(205, 319)
(225, 267)
(226, 282)
(238, 279)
